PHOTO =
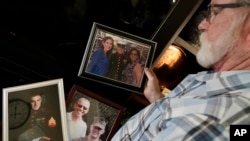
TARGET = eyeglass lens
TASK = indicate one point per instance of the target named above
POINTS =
(211, 14)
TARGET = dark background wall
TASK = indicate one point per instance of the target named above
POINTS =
(49, 37)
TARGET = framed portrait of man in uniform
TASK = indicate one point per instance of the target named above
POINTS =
(35, 111)
(116, 58)
(100, 114)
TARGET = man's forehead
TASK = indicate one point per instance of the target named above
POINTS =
(83, 101)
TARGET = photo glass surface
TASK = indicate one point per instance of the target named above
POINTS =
(100, 107)
(116, 58)
(35, 111)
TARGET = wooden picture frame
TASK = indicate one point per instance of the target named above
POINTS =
(97, 65)
(99, 107)
(34, 111)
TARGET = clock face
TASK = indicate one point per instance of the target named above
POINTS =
(19, 112)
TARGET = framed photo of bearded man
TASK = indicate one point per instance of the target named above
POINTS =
(116, 58)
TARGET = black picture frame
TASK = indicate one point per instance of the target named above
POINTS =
(98, 32)
(99, 107)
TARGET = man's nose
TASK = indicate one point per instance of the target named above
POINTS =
(203, 25)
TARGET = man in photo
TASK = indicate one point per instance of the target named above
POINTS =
(41, 123)
(97, 128)
(77, 127)
(118, 62)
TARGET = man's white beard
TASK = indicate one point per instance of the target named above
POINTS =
(212, 52)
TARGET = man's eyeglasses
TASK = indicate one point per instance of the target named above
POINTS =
(211, 13)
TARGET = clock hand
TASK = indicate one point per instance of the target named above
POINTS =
(15, 112)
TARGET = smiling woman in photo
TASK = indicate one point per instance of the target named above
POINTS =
(99, 61)
(132, 74)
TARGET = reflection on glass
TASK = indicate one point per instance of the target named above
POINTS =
(145, 14)
(171, 67)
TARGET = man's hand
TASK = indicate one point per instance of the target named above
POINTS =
(152, 90)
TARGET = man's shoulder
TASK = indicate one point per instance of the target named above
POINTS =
(68, 115)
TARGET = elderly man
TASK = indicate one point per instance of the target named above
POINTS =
(76, 126)
(204, 105)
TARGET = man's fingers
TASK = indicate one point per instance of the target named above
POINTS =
(149, 73)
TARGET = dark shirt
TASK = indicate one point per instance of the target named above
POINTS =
(38, 126)
(117, 64)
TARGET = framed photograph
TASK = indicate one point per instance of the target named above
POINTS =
(98, 110)
(116, 58)
(35, 111)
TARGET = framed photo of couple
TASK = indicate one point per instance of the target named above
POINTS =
(35, 111)
(100, 109)
(116, 58)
